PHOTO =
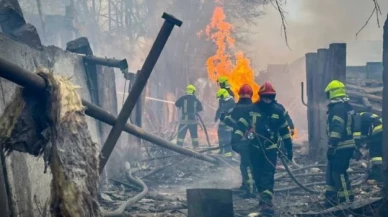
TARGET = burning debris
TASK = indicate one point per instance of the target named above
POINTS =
(237, 69)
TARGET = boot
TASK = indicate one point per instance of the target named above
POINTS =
(330, 199)
(375, 174)
(266, 206)
(266, 210)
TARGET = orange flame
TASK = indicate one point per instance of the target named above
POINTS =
(238, 71)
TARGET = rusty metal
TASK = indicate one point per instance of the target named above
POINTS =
(34, 82)
(302, 93)
(138, 86)
(121, 64)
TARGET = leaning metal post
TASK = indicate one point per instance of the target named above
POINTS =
(34, 82)
(138, 86)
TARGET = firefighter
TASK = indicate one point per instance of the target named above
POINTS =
(265, 122)
(247, 185)
(368, 128)
(190, 106)
(224, 83)
(341, 145)
(224, 131)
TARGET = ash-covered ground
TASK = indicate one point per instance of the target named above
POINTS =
(168, 177)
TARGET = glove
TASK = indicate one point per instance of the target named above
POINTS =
(292, 131)
(357, 155)
(330, 153)
(236, 147)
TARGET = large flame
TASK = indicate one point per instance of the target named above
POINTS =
(235, 67)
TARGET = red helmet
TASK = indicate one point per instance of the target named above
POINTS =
(267, 89)
(245, 91)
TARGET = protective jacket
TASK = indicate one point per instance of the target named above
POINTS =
(366, 126)
(226, 106)
(339, 123)
(288, 117)
(268, 122)
(238, 111)
(190, 105)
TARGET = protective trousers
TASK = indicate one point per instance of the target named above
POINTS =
(182, 130)
(338, 188)
(263, 162)
(376, 160)
(224, 139)
(246, 167)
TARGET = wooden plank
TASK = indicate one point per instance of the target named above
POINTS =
(366, 103)
(385, 107)
(209, 202)
(311, 68)
(4, 197)
(337, 61)
(360, 95)
(364, 89)
(321, 79)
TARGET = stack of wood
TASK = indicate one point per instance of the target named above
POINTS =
(365, 95)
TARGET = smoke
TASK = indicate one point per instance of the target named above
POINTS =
(314, 24)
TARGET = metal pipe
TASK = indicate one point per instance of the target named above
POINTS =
(34, 82)
(302, 93)
(138, 86)
(121, 64)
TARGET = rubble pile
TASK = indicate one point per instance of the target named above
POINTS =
(169, 176)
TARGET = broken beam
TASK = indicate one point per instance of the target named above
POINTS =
(138, 86)
(33, 81)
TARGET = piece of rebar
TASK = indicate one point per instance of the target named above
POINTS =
(121, 64)
(138, 86)
(34, 82)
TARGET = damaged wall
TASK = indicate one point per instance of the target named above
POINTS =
(29, 187)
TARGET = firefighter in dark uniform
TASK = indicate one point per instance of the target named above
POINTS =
(224, 131)
(265, 122)
(368, 128)
(224, 83)
(341, 145)
(190, 106)
(248, 184)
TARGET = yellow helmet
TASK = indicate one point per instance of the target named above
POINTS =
(222, 93)
(190, 89)
(335, 89)
(222, 80)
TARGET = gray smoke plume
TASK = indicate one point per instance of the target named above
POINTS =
(314, 24)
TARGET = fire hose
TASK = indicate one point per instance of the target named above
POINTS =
(300, 185)
(120, 210)
(204, 129)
